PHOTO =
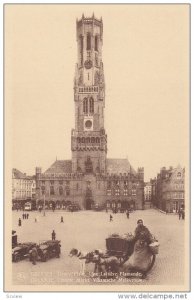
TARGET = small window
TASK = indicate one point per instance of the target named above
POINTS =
(52, 182)
(52, 192)
(85, 105)
(88, 41)
(96, 43)
(67, 192)
(60, 190)
(91, 105)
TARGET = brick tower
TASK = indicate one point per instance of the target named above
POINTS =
(88, 139)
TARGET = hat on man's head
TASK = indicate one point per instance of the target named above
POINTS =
(140, 221)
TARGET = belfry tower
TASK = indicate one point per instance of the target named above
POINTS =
(88, 139)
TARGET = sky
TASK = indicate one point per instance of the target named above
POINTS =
(146, 65)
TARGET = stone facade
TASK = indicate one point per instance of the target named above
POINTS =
(23, 188)
(147, 195)
(170, 196)
(90, 178)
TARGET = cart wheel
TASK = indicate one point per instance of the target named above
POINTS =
(46, 257)
(16, 258)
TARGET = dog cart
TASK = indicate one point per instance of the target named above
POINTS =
(120, 246)
(119, 249)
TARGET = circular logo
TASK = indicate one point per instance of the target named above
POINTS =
(88, 124)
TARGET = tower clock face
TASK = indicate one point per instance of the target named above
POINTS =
(88, 64)
(88, 124)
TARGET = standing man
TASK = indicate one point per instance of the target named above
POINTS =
(19, 222)
(62, 219)
(111, 218)
(127, 213)
(53, 235)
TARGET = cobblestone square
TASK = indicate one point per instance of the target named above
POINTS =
(87, 230)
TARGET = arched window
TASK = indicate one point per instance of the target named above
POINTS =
(81, 48)
(96, 78)
(91, 105)
(179, 174)
(60, 190)
(78, 140)
(67, 191)
(52, 192)
(97, 140)
(85, 105)
(88, 41)
(96, 43)
(83, 140)
(93, 140)
(88, 140)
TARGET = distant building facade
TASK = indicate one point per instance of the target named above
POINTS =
(90, 178)
(147, 195)
(23, 188)
(170, 189)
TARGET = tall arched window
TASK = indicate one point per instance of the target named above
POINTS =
(96, 43)
(81, 48)
(60, 190)
(91, 105)
(88, 41)
(85, 105)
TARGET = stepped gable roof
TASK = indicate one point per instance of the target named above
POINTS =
(119, 165)
(60, 166)
(18, 174)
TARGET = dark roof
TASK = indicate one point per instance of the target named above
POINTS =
(19, 175)
(119, 165)
(114, 166)
(60, 166)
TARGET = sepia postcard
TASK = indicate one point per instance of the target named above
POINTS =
(97, 165)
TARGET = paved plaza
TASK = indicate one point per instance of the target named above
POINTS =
(87, 230)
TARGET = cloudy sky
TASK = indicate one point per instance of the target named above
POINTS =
(146, 64)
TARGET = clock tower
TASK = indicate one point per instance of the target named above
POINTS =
(88, 139)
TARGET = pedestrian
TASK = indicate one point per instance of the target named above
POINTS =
(179, 214)
(27, 216)
(62, 219)
(53, 235)
(23, 216)
(19, 222)
(183, 215)
(35, 220)
(127, 213)
(111, 218)
(33, 255)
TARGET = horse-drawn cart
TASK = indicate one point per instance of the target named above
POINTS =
(125, 254)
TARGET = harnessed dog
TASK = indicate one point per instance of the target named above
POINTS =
(84, 257)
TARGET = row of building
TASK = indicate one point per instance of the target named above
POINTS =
(165, 192)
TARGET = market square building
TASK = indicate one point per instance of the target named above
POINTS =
(90, 179)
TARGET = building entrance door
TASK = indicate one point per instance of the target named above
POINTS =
(88, 204)
(88, 199)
